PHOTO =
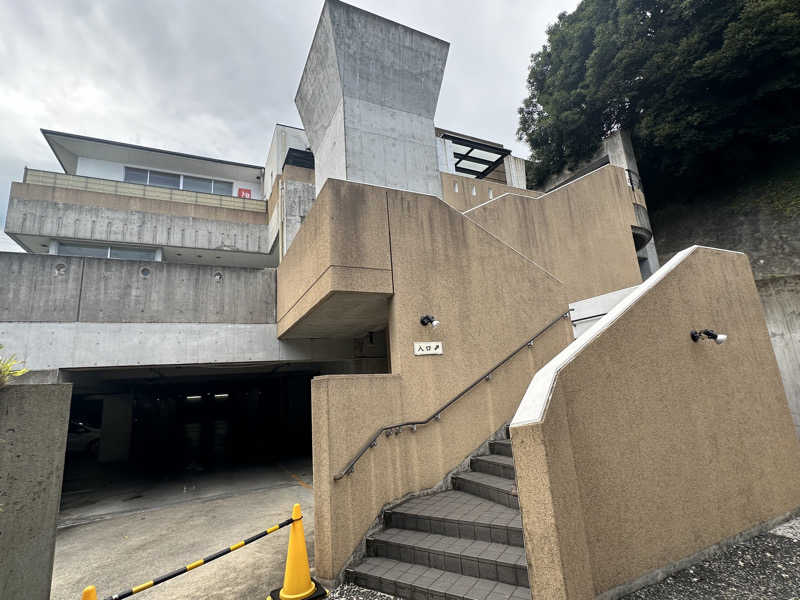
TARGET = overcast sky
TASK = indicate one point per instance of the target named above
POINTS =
(212, 78)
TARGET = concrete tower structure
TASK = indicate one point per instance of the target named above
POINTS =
(367, 99)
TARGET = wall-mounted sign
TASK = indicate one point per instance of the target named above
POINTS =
(245, 193)
(423, 348)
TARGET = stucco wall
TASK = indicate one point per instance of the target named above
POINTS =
(33, 437)
(780, 297)
(41, 287)
(489, 299)
(343, 246)
(581, 232)
(463, 193)
(636, 448)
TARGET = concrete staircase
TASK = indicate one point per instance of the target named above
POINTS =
(464, 543)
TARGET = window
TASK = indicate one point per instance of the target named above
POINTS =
(223, 188)
(175, 181)
(135, 175)
(168, 180)
(80, 250)
(132, 253)
(125, 253)
(197, 184)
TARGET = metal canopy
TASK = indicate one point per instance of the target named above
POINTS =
(474, 157)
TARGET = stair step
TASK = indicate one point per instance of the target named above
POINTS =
(500, 447)
(459, 514)
(407, 580)
(475, 558)
(494, 464)
(491, 487)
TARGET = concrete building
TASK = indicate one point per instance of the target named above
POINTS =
(189, 301)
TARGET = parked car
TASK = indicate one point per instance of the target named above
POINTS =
(82, 438)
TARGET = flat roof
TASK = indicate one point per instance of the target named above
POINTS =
(68, 147)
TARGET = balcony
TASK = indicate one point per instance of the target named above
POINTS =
(135, 190)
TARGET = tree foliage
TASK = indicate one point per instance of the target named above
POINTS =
(703, 85)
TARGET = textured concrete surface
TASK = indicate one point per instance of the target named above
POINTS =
(45, 346)
(446, 265)
(133, 548)
(768, 237)
(33, 435)
(367, 99)
(463, 193)
(98, 223)
(640, 462)
(766, 567)
(42, 287)
(49, 193)
(581, 232)
(343, 248)
(780, 297)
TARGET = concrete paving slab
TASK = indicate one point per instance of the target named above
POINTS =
(130, 549)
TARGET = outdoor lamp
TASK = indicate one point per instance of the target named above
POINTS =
(719, 338)
(428, 320)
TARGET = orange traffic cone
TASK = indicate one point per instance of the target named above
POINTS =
(90, 593)
(297, 581)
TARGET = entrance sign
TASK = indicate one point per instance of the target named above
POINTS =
(423, 348)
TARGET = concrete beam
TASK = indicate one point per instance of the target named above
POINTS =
(85, 345)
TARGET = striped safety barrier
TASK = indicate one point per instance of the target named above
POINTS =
(198, 563)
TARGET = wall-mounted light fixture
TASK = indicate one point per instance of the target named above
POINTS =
(710, 334)
(426, 320)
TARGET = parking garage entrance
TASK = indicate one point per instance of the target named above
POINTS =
(144, 438)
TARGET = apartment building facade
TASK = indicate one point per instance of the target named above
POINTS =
(152, 279)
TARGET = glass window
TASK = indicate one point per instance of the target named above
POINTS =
(79, 250)
(169, 180)
(135, 175)
(133, 253)
(196, 184)
(223, 188)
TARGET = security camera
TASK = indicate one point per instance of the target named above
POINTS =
(426, 320)
(710, 334)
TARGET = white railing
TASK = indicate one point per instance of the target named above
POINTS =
(136, 190)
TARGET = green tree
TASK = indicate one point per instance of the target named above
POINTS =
(703, 85)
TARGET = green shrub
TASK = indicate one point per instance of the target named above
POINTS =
(10, 367)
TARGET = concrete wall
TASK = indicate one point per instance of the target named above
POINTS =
(81, 345)
(464, 193)
(115, 431)
(40, 287)
(769, 238)
(489, 299)
(101, 224)
(637, 449)
(581, 232)
(780, 297)
(341, 250)
(367, 99)
(49, 193)
(33, 437)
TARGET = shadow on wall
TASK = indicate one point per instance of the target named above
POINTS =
(637, 448)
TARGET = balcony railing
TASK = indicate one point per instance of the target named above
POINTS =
(136, 190)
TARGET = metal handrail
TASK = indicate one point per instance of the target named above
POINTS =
(436, 416)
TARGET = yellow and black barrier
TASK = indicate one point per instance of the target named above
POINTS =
(90, 593)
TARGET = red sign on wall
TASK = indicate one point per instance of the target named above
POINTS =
(245, 193)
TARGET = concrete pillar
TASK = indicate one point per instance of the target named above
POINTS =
(115, 433)
(33, 438)
(367, 99)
